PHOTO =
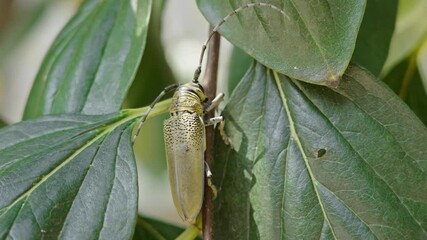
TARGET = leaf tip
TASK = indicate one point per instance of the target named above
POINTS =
(333, 81)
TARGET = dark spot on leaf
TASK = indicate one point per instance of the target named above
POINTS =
(319, 153)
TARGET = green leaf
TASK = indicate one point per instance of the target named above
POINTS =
(92, 62)
(68, 176)
(375, 33)
(313, 42)
(151, 229)
(405, 80)
(411, 30)
(310, 162)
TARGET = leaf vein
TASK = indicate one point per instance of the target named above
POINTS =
(358, 154)
(295, 136)
(322, 53)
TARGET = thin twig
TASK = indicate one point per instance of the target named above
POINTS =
(210, 82)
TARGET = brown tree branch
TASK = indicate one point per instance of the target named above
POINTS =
(6, 13)
(210, 84)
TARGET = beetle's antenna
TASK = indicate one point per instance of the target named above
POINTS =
(215, 29)
(162, 93)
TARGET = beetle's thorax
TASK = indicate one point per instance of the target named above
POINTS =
(188, 98)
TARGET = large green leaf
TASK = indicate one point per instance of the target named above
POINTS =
(310, 162)
(69, 177)
(313, 42)
(375, 33)
(92, 62)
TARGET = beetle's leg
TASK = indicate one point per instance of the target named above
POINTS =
(214, 120)
(215, 102)
(162, 93)
(209, 178)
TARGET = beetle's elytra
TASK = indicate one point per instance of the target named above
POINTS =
(184, 134)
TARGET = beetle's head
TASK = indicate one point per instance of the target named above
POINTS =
(196, 88)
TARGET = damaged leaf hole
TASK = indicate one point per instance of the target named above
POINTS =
(319, 153)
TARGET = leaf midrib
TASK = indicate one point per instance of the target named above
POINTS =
(119, 142)
(103, 133)
(294, 135)
(4, 167)
(51, 173)
(107, 42)
(81, 184)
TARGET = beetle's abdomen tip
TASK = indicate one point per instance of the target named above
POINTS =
(186, 218)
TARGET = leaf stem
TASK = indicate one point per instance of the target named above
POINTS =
(159, 108)
(189, 234)
(210, 85)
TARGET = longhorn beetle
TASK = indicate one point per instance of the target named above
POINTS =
(184, 134)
